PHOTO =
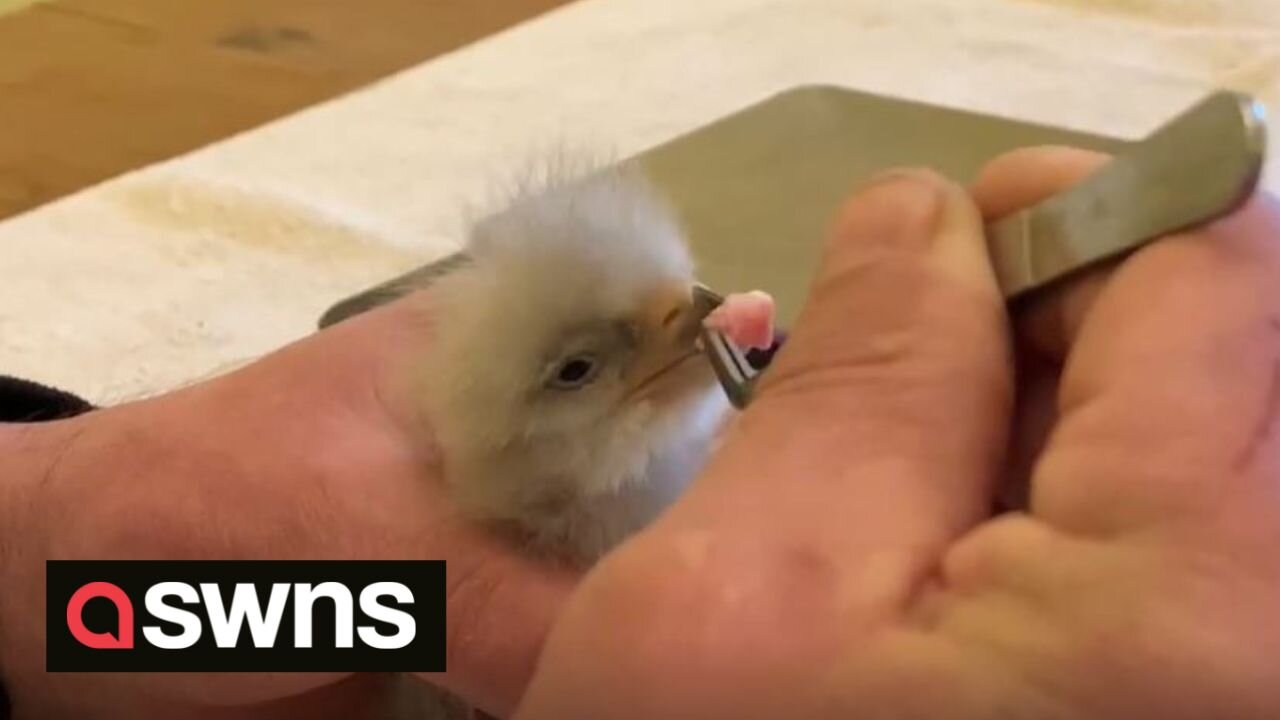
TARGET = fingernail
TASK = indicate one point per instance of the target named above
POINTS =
(899, 209)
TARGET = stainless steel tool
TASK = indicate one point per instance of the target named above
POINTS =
(1201, 165)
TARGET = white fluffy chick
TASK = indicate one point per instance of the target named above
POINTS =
(563, 382)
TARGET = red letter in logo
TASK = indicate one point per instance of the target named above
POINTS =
(123, 639)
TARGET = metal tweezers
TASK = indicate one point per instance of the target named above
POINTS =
(1201, 165)
(737, 375)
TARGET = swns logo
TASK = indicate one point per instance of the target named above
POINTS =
(215, 616)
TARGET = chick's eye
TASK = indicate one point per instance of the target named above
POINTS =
(575, 371)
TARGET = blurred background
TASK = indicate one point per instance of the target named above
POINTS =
(92, 88)
(187, 184)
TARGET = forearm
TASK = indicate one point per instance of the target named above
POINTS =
(114, 484)
(29, 457)
(27, 451)
(29, 454)
(316, 451)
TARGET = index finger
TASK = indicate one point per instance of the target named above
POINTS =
(1172, 380)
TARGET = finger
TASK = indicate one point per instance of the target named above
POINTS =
(499, 611)
(1048, 319)
(871, 443)
(1168, 396)
(1166, 392)
(1045, 322)
(1026, 176)
(1034, 415)
(879, 427)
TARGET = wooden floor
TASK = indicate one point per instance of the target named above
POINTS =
(92, 88)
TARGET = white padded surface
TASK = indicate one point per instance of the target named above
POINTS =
(169, 273)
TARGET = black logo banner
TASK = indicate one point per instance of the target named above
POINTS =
(245, 616)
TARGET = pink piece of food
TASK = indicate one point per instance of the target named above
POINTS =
(746, 319)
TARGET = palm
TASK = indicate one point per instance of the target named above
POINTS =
(838, 558)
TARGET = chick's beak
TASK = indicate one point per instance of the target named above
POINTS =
(668, 348)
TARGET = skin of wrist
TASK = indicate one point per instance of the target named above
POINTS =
(94, 487)
(29, 457)
(181, 476)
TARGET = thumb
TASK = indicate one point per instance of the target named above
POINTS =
(881, 424)
(872, 441)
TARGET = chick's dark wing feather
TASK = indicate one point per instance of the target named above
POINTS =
(392, 289)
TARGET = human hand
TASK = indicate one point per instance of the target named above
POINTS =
(314, 452)
(838, 558)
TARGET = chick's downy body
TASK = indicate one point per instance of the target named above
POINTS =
(563, 383)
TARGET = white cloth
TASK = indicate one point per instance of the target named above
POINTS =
(171, 272)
